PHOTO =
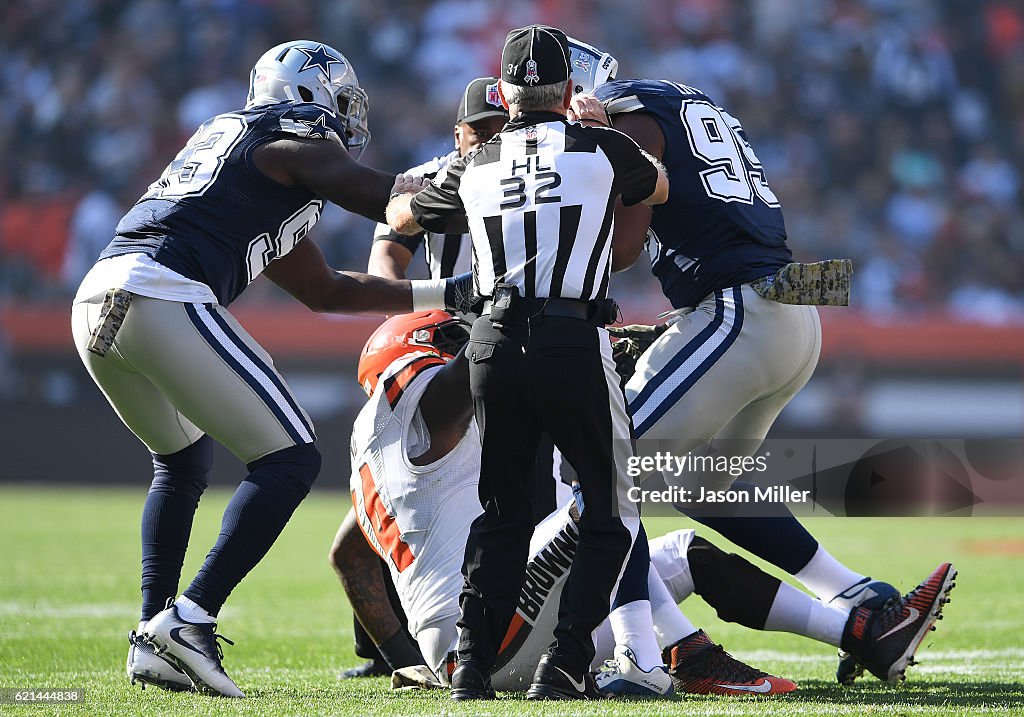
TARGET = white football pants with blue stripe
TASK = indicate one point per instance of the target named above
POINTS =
(178, 370)
(723, 371)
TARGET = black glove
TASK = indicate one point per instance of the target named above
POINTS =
(634, 340)
(460, 294)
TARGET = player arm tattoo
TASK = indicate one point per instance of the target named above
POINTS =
(361, 574)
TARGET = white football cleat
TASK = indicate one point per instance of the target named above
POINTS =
(623, 676)
(148, 668)
(193, 648)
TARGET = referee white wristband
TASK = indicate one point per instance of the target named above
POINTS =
(428, 294)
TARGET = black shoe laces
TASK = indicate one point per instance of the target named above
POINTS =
(715, 663)
(211, 642)
(892, 615)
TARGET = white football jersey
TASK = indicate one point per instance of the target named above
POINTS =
(417, 518)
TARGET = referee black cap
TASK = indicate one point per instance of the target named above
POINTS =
(480, 101)
(535, 55)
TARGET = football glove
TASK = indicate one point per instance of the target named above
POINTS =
(633, 341)
(460, 295)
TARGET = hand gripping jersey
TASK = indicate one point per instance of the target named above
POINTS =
(722, 226)
(446, 254)
(416, 518)
(212, 216)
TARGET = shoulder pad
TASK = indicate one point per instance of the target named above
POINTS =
(305, 119)
(621, 96)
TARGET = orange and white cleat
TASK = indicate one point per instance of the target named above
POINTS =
(700, 667)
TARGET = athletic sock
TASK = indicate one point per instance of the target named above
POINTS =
(255, 516)
(190, 612)
(633, 627)
(826, 577)
(670, 624)
(178, 482)
(797, 612)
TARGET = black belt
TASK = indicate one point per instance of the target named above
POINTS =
(563, 308)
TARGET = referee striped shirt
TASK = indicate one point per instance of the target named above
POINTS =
(446, 254)
(538, 199)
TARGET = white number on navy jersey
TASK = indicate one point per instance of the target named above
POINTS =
(263, 249)
(198, 163)
(715, 138)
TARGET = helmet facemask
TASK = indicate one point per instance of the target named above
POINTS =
(590, 66)
(306, 71)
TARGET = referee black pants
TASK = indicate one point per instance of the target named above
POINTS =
(555, 375)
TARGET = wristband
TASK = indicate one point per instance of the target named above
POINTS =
(427, 294)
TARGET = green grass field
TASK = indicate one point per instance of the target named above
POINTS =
(69, 587)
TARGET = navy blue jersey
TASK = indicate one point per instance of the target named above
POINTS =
(212, 216)
(721, 226)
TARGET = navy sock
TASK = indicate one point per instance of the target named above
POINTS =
(633, 586)
(780, 539)
(256, 515)
(178, 482)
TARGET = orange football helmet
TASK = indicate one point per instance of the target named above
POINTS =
(437, 332)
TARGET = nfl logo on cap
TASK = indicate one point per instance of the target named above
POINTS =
(531, 73)
(493, 98)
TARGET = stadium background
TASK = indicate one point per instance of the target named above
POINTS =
(892, 131)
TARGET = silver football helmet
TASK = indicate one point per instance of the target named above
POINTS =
(590, 67)
(307, 71)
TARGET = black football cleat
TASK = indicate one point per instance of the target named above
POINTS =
(872, 594)
(370, 668)
(884, 641)
(469, 683)
(552, 681)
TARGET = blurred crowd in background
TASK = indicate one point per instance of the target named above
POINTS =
(891, 130)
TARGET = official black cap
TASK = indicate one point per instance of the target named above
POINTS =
(535, 55)
(481, 100)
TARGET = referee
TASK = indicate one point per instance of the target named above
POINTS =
(538, 199)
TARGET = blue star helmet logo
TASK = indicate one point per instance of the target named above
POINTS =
(317, 127)
(319, 57)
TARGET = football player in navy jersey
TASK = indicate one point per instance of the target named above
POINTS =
(151, 325)
(734, 354)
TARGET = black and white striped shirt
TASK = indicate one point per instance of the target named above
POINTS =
(538, 199)
(446, 254)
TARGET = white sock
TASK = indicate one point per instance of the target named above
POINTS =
(633, 627)
(670, 624)
(191, 612)
(826, 577)
(142, 627)
(799, 613)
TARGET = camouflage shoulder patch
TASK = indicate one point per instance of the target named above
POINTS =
(823, 283)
